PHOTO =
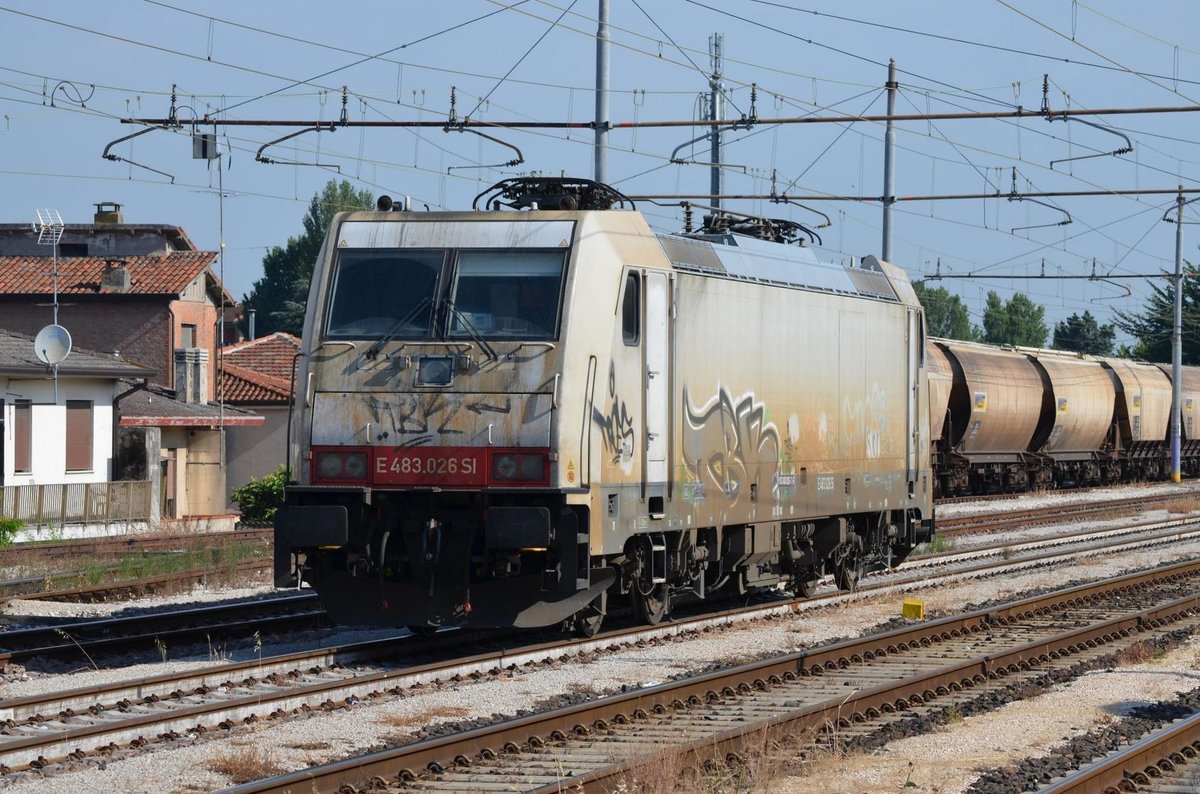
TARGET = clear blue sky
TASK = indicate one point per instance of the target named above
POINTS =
(102, 61)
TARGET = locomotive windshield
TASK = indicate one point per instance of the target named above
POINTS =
(423, 294)
(507, 294)
(384, 292)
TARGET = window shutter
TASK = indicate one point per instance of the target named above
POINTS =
(23, 437)
(79, 435)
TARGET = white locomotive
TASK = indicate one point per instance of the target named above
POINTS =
(511, 418)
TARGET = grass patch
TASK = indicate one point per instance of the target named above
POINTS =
(130, 567)
(9, 527)
(1183, 506)
(938, 545)
(423, 718)
(245, 764)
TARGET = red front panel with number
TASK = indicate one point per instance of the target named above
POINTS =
(448, 466)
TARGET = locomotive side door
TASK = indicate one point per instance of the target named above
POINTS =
(916, 352)
(657, 371)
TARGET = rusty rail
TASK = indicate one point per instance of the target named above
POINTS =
(539, 729)
(1140, 763)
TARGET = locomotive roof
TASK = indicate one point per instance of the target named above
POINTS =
(751, 259)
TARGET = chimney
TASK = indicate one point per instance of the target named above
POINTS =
(115, 277)
(191, 374)
(250, 322)
(108, 213)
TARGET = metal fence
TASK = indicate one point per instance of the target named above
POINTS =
(76, 503)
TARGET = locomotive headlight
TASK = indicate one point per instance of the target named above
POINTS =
(504, 467)
(355, 466)
(519, 467)
(329, 465)
(349, 466)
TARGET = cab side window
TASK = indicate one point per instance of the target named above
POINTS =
(631, 312)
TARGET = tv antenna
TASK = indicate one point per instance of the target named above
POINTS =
(53, 343)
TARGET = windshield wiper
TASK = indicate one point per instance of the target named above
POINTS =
(395, 327)
(476, 337)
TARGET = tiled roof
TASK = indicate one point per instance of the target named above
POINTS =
(17, 355)
(270, 355)
(242, 386)
(153, 408)
(168, 274)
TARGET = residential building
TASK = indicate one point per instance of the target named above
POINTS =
(139, 290)
(257, 375)
(58, 440)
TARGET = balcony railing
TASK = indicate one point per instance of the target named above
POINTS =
(76, 503)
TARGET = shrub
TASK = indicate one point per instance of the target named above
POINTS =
(259, 499)
(9, 527)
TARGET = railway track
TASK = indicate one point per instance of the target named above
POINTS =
(71, 725)
(1164, 762)
(830, 695)
(36, 553)
(992, 522)
(34, 588)
(123, 634)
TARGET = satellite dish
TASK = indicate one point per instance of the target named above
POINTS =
(52, 344)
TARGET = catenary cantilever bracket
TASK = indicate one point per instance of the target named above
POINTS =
(116, 158)
(1013, 195)
(328, 125)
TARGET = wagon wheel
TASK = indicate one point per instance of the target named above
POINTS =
(850, 569)
(588, 619)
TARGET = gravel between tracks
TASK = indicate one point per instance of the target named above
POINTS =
(948, 761)
(1040, 499)
(186, 766)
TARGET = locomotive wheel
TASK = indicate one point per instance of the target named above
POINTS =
(588, 620)
(804, 588)
(850, 569)
(651, 607)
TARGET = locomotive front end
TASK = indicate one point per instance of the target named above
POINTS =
(429, 488)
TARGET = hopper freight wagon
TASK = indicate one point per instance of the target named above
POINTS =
(1017, 419)
(518, 415)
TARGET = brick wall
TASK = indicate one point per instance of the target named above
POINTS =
(203, 315)
(138, 329)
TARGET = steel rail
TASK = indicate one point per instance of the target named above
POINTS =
(1139, 763)
(1005, 520)
(70, 639)
(132, 543)
(140, 584)
(444, 752)
(176, 696)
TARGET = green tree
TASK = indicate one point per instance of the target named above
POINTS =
(946, 315)
(1152, 326)
(280, 295)
(1019, 321)
(1084, 335)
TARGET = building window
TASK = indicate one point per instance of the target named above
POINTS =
(23, 437)
(187, 338)
(79, 435)
(72, 249)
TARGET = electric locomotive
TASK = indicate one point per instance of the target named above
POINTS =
(515, 415)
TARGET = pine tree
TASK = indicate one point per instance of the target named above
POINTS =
(1019, 321)
(1084, 335)
(1152, 326)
